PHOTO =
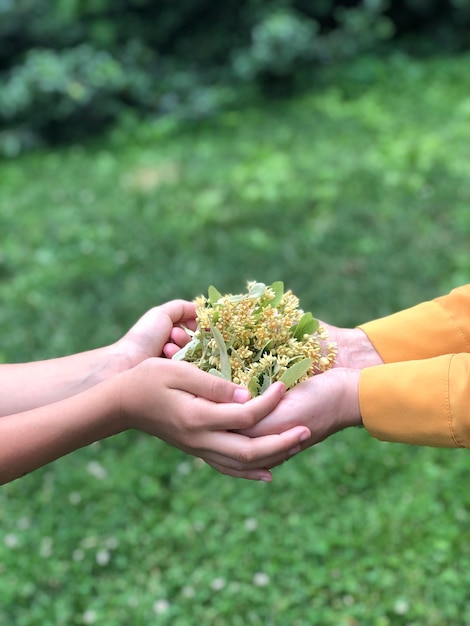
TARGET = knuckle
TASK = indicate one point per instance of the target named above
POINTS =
(215, 385)
(196, 417)
(246, 455)
(219, 388)
(250, 418)
(190, 424)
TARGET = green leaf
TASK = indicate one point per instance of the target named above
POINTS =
(216, 372)
(265, 384)
(278, 288)
(305, 326)
(213, 294)
(189, 348)
(253, 386)
(224, 359)
(257, 290)
(296, 371)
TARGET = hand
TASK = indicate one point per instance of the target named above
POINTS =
(178, 338)
(354, 347)
(197, 412)
(325, 404)
(152, 331)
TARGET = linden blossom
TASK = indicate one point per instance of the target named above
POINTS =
(257, 338)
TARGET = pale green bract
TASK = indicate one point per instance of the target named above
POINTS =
(256, 338)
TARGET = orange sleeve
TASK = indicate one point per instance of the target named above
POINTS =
(440, 326)
(421, 395)
(425, 402)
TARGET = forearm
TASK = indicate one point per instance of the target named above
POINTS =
(36, 437)
(30, 385)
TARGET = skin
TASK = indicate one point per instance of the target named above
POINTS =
(326, 403)
(329, 402)
(51, 408)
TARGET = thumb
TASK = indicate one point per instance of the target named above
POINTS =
(178, 310)
(190, 378)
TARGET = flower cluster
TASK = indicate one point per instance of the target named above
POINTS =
(257, 338)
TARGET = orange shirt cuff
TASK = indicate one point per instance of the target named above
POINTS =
(438, 327)
(423, 402)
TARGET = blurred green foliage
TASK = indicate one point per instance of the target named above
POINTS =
(357, 197)
(70, 67)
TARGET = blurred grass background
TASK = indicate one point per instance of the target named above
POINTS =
(354, 193)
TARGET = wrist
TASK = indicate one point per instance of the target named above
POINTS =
(136, 410)
(359, 350)
(100, 405)
(335, 397)
(116, 360)
(124, 392)
(351, 410)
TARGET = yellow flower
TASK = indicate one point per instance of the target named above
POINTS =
(257, 337)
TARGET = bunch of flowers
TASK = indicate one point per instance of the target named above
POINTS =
(257, 338)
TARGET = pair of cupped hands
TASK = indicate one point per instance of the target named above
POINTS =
(215, 419)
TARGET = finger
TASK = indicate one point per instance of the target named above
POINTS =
(204, 386)
(237, 453)
(296, 407)
(178, 310)
(179, 336)
(233, 416)
(170, 349)
(177, 339)
(188, 322)
(263, 475)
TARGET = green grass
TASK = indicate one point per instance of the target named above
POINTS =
(357, 197)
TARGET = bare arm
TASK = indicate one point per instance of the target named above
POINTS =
(173, 401)
(26, 386)
(35, 437)
(51, 408)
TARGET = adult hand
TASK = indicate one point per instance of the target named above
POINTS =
(354, 347)
(197, 412)
(325, 404)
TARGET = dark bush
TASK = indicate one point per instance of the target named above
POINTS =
(72, 66)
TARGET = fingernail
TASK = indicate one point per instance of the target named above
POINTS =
(295, 450)
(241, 395)
(304, 436)
(265, 478)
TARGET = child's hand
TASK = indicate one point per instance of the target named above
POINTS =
(152, 331)
(198, 412)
